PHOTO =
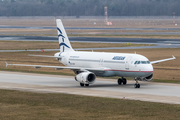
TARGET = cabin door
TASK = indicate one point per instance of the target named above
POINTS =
(127, 62)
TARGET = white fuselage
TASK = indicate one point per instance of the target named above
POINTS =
(115, 64)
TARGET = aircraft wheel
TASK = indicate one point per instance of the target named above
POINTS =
(86, 84)
(119, 81)
(82, 84)
(136, 85)
(124, 81)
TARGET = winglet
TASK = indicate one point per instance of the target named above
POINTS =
(6, 64)
(173, 57)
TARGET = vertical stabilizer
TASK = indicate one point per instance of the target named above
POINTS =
(64, 43)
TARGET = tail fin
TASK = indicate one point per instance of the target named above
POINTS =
(64, 43)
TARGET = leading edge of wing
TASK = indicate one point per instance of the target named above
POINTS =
(58, 67)
(158, 61)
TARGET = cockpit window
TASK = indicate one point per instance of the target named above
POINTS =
(142, 62)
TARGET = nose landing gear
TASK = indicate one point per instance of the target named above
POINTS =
(136, 85)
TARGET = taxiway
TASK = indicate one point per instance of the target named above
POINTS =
(149, 91)
(93, 39)
(159, 43)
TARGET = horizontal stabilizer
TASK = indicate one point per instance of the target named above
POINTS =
(6, 64)
(45, 56)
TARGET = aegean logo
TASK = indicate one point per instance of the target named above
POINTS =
(62, 43)
(118, 58)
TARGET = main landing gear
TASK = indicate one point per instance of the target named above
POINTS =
(82, 84)
(136, 85)
(122, 81)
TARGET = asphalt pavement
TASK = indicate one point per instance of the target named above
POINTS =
(94, 39)
(149, 91)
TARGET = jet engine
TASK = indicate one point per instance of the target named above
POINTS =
(148, 78)
(86, 77)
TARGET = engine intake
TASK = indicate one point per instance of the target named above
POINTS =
(86, 77)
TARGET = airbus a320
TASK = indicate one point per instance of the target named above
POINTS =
(88, 65)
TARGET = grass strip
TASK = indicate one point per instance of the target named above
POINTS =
(38, 72)
(26, 105)
(166, 81)
(28, 45)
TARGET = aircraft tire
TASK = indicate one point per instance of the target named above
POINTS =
(136, 85)
(124, 81)
(86, 84)
(82, 84)
(119, 81)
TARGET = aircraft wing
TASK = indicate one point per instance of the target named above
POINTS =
(158, 61)
(59, 67)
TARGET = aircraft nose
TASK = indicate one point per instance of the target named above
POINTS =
(149, 68)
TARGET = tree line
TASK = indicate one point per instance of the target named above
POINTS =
(89, 7)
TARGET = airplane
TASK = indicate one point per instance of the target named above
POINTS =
(88, 65)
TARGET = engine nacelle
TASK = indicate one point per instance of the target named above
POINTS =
(148, 78)
(86, 77)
